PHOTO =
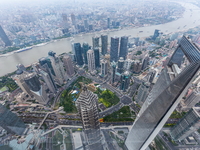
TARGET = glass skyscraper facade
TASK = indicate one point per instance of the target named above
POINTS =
(78, 54)
(114, 49)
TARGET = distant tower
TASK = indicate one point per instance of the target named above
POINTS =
(96, 57)
(85, 49)
(91, 61)
(95, 42)
(104, 67)
(78, 54)
(36, 88)
(86, 24)
(87, 105)
(123, 47)
(114, 49)
(57, 67)
(11, 122)
(48, 81)
(113, 64)
(120, 65)
(73, 19)
(68, 65)
(156, 34)
(108, 23)
(187, 125)
(125, 81)
(104, 44)
(4, 37)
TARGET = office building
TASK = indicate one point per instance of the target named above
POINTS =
(143, 92)
(11, 122)
(87, 106)
(108, 23)
(145, 63)
(78, 54)
(120, 65)
(86, 25)
(91, 61)
(156, 34)
(36, 88)
(95, 41)
(127, 64)
(104, 44)
(68, 65)
(125, 81)
(4, 37)
(123, 47)
(48, 66)
(57, 67)
(114, 49)
(48, 80)
(73, 19)
(137, 66)
(104, 67)
(187, 125)
(113, 65)
(96, 57)
(164, 97)
(85, 49)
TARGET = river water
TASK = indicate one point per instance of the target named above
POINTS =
(190, 19)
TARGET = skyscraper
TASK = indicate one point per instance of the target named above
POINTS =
(86, 24)
(96, 57)
(123, 47)
(104, 67)
(125, 80)
(47, 61)
(87, 105)
(68, 65)
(10, 121)
(114, 49)
(108, 23)
(48, 81)
(78, 54)
(36, 88)
(164, 97)
(145, 63)
(156, 34)
(91, 61)
(57, 67)
(143, 92)
(187, 125)
(85, 49)
(113, 65)
(95, 41)
(73, 19)
(104, 44)
(120, 65)
(4, 37)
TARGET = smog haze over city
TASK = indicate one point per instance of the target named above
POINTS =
(99, 75)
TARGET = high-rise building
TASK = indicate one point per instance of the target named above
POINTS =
(125, 80)
(96, 57)
(47, 61)
(87, 105)
(73, 19)
(156, 34)
(113, 65)
(104, 44)
(95, 41)
(187, 125)
(11, 122)
(68, 65)
(36, 88)
(114, 49)
(143, 92)
(48, 80)
(4, 37)
(85, 49)
(108, 23)
(137, 66)
(57, 67)
(164, 97)
(127, 64)
(120, 65)
(91, 61)
(123, 47)
(145, 63)
(86, 25)
(104, 67)
(78, 54)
